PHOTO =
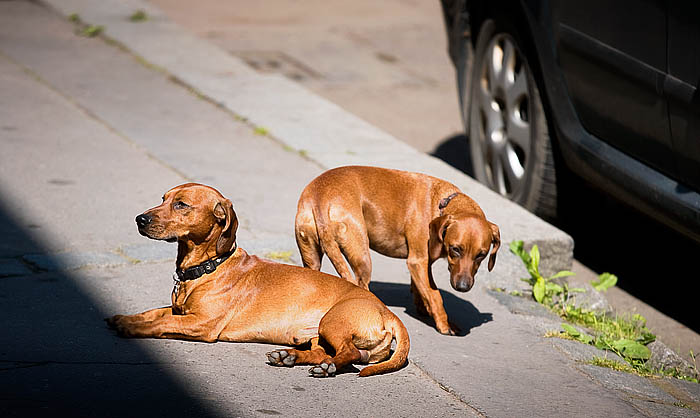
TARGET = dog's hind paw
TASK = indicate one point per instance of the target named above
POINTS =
(112, 321)
(322, 370)
(282, 358)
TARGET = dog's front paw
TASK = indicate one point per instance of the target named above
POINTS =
(323, 370)
(449, 329)
(282, 357)
(120, 325)
(113, 321)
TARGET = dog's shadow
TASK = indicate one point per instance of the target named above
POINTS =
(460, 312)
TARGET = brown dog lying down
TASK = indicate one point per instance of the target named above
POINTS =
(222, 293)
(348, 210)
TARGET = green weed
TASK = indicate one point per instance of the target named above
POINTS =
(544, 289)
(604, 282)
(625, 335)
(90, 31)
(681, 404)
(616, 365)
(138, 16)
(260, 130)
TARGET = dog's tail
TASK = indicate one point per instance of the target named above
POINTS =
(400, 356)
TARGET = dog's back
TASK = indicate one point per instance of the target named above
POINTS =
(347, 210)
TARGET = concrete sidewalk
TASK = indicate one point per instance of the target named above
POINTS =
(94, 130)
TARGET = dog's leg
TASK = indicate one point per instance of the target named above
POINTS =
(354, 244)
(161, 323)
(331, 246)
(354, 328)
(290, 357)
(421, 279)
(138, 318)
(418, 300)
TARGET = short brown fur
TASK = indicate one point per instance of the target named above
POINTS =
(247, 299)
(348, 210)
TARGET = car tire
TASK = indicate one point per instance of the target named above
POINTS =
(506, 123)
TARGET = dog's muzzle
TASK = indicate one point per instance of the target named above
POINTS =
(463, 284)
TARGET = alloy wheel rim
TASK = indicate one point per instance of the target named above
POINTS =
(503, 116)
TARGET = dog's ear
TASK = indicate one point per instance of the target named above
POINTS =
(438, 227)
(223, 211)
(496, 241)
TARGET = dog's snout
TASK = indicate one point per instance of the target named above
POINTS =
(463, 284)
(143, 220)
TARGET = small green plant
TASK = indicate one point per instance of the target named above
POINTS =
(544, 289)
(576, 334)
(694, 358)
(90, 31)
(82, 29)
(625, 335)
(682, 404)
(679, 374)
(138, 16)
(260, 130)
(605, 281)
(616, 365)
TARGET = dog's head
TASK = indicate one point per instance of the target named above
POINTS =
(465, 241)
(192, 212)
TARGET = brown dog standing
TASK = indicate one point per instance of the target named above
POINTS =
(222, 293)
(348, 210)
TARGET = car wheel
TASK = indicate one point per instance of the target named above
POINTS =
(509, 139)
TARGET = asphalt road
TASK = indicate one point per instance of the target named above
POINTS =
(387, 63)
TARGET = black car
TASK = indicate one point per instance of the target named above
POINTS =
(607, 90)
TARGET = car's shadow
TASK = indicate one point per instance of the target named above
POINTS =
(454, 150)
(460, 312)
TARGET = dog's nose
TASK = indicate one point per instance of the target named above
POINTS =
(464, 285)
(461, 287)
(143, 220)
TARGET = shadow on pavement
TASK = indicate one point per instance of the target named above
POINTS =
(461, 312)
(57, 357)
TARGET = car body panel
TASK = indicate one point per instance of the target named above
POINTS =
(646, 167)
(682, 87)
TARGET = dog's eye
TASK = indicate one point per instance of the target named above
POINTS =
(180, 205)
(481, 256)
(455, 251)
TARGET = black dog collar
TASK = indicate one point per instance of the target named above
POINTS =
(200, 270)
(446, 201)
